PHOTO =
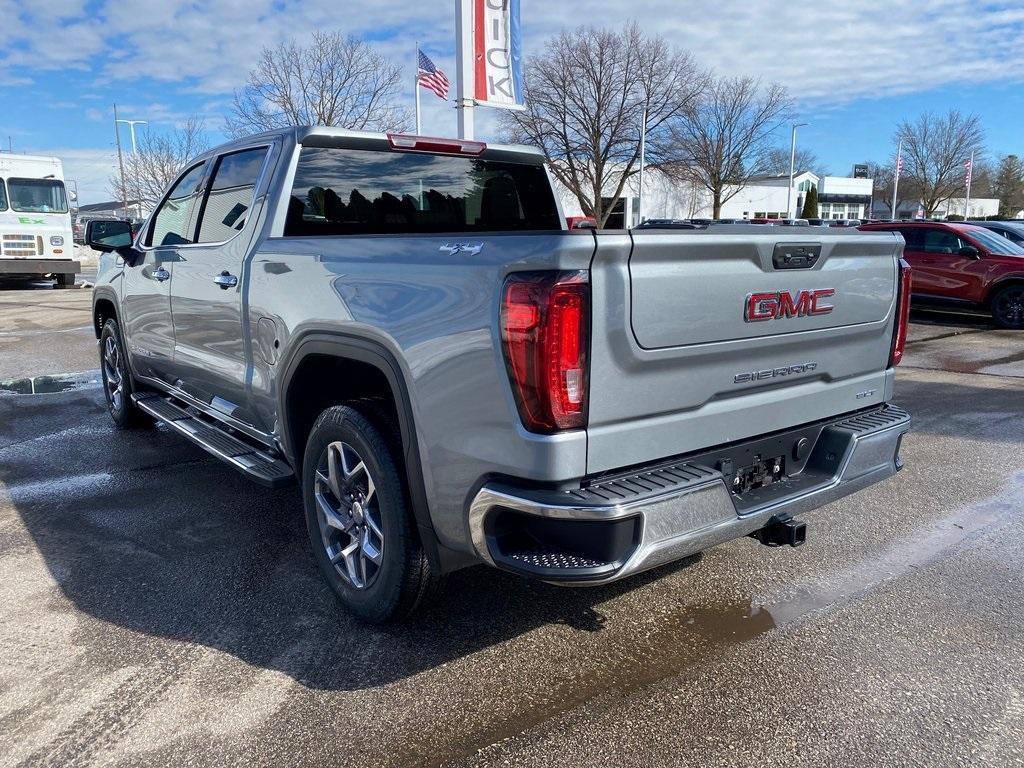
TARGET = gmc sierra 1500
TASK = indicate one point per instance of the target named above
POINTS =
(405, 326)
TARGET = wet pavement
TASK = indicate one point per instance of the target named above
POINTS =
(157, 609)
(45, 331)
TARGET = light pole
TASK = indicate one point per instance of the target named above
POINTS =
(135, 164)
(464, 37)
(792, 161)
(131, 125)
(120, 162)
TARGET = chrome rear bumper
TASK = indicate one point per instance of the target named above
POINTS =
(681, 508)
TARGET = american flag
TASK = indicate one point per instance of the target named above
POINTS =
(432, 78)
(969, 168)
(899, 164)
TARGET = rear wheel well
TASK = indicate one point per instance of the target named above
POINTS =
(101, 312)
(321, 381)
(999, 286)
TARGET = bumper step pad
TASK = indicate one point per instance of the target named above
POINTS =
(251, 460)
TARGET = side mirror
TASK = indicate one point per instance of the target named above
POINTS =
(108, 235)
(970, 252)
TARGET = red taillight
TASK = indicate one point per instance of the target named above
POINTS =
(899, 336)
(410, 143)
(545, 323)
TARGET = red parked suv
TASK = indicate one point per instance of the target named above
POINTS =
(961, 265)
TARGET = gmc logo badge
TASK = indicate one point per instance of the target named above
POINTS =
(782, 304)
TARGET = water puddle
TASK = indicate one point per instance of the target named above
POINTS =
(48, 385)
(689, 635)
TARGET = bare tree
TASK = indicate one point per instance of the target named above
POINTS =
(159, 159)
(336, 80)
(776, 161)
(586, 95)
(723, 138)
(935, 149)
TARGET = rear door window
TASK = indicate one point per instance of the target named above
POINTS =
(229, 199)
(352, 191)
(941, 241)
(172, 223)
(914, 237)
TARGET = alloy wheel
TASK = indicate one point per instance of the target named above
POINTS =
(113, 376)
(1009, 307)
(349, 515)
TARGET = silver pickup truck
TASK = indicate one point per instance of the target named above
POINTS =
(406, 328)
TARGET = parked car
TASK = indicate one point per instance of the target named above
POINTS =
(581, 222)
(793, 223)
(844, 223)
(407, 329)
(963, 265)
(667, 224)
(1011, 230)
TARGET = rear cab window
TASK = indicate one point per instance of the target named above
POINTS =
(367, 192)
(3, 196)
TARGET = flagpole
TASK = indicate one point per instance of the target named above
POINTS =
(465, 67)
(896, 180)
(416, 88)
(970, 176)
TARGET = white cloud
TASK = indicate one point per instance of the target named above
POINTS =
(837, 52)
(833, 53)
(90, 169)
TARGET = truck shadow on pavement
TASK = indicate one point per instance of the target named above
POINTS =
(144, 532)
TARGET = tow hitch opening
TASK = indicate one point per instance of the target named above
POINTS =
(782, 530)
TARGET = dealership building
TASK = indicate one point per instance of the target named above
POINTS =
(763, 197)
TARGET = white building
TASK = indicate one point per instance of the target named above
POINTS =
(764, 197)
(980, 207)
(914, 209)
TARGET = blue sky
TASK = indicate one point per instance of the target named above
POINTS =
(855, 69)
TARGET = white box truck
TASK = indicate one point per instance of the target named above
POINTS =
(35, 221)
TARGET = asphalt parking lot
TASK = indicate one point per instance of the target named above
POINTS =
(157, 609)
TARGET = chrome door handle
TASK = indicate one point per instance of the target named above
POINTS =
(161, 274)
(226, 280)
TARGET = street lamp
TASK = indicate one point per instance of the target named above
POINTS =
(792, 161)
(131, 125)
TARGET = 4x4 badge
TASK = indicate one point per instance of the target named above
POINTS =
(456, 248)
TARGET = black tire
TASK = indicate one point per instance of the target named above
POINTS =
(1008, 307)
(119, 400)
(65, 280)
(392, 589)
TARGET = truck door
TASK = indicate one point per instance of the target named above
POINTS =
(210, 345)
(146, 304)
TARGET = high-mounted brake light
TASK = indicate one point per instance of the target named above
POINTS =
(409, 143)
(545, 329)
(899, 336)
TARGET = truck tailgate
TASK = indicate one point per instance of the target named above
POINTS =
(707, 337)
